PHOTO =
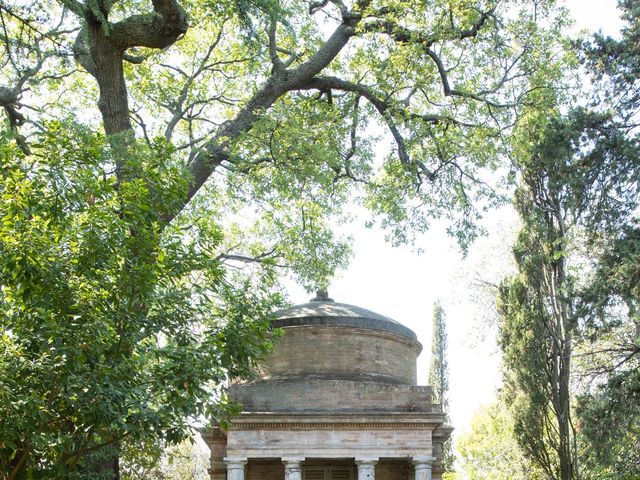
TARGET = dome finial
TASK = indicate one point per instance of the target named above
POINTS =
(322, 296)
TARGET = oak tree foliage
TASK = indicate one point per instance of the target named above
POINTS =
(162, 159)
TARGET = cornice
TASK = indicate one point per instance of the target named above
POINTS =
(337, 421)
(334, 426)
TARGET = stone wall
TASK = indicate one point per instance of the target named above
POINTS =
(338, 351)
(400, 443)
(311, 394)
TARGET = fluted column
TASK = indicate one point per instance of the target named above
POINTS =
(366, 469)
(292, 468)
(422, 467)
(235, 467)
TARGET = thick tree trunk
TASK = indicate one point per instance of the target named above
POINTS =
(108, 70)
(109, 73)
(561, 358)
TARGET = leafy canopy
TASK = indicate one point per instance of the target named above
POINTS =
(138, 267)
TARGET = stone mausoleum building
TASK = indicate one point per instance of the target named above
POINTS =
(337, 399)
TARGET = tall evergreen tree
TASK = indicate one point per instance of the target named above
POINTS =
(439, 373)
(439, 369)
(579, 179)
(609, 305)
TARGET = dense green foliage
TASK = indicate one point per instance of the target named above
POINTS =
(579, 184)
(569, 319)
(536, 332)
(138, 266)
(112, 326)
(609, 410)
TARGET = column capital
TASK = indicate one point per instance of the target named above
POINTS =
(423, 460)
(292, 464)
(366, 460)
(235, 467)
(422, 466)
(235, 462)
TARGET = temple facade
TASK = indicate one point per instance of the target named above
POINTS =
(337, 399)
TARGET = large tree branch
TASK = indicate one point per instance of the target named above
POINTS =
(158, 29)
(383, 106)
(387, 111)
(325, 55)
(273, 46)
(217, 149)
(327, 83)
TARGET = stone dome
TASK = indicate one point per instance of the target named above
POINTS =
(331, 340)
(324, 311)
(330, 351)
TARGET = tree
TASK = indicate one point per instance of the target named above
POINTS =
(489, 450)
(609, 411)
(108, 335)
(609, 408)
(408, 65)
(579, 178)
(212, 110)
(439, 369)
(439, 373)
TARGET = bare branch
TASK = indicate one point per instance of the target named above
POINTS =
(315, 6)
(451, 92)
(273, 48)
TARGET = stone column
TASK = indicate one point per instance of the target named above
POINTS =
(422, 467)
(292, 468)
(366, 469)
(235, 467)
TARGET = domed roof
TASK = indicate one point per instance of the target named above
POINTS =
(322, 310)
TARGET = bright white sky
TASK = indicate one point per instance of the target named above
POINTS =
(403, 285)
